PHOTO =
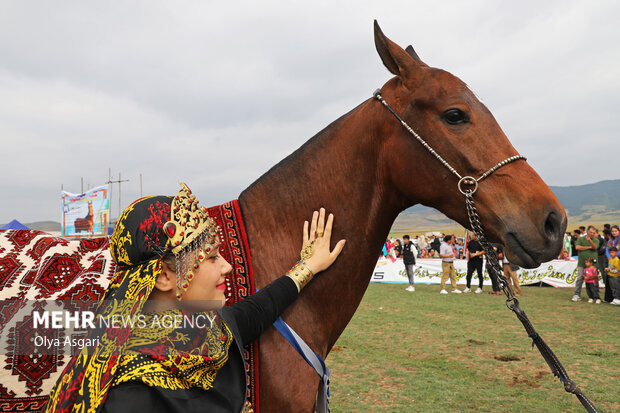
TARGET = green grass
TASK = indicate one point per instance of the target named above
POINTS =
(425, 352)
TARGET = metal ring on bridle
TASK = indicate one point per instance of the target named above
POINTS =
(468, 180)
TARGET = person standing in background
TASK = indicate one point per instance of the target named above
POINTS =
(587, 247)
(388, 247)
(612, 242)
(494, 277)
(602, 255)
(614, 239)
(435, 243)
(613, 272)
(510, 272)
(474, 263)
(447, 265)
(590, 274)
(422, 244)
(573, 241)
(459, 248)
(398, 249)
(409, 254)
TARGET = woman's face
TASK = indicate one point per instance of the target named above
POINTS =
(615, 232)
(208, 284)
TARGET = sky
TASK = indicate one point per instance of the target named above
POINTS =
(215, 93)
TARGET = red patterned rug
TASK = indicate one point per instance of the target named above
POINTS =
(37, 266)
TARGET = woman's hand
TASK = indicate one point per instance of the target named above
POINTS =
(319, 237)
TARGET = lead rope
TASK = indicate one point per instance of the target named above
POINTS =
(493, 261)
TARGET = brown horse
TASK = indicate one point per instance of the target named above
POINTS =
(359, 168)
(87, 223)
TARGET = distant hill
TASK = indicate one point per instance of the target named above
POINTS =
(46, 226)
(595, 204)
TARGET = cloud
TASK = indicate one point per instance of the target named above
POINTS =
(215, 94)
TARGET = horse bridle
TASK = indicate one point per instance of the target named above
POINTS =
(468, 185)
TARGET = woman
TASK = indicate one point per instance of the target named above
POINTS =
(614, 239)
(398, 249)
(169, 268)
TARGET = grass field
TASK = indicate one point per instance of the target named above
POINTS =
(425, 352)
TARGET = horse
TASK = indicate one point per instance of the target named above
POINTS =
(358, 167)
(87, 223)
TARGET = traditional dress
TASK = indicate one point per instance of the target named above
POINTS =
(158, 367)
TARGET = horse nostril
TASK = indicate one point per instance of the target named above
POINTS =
(552, 225)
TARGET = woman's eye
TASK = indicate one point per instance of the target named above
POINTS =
(455, 116)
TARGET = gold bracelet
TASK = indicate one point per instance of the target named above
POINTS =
(300, 273)
(303, 263)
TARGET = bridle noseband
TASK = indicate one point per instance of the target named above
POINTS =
(493, 261)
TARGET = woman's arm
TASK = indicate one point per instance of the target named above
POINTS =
(258, 311)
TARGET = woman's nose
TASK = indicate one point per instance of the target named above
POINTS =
(226, 268)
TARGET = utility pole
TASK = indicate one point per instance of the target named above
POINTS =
(111, 186)
(110, 181)
(119, 193)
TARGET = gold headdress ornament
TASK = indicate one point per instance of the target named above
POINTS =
(188, 220)
(190, 229)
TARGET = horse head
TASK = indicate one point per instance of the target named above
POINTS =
(516, 207)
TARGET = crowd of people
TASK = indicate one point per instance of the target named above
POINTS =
(596, 258)
(596, 254)
(448, 248)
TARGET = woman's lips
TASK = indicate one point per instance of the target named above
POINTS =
(221, 286)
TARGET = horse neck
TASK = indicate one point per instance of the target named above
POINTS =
(339, 169)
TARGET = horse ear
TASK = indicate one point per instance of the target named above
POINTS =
(393, 56)
(415, 56)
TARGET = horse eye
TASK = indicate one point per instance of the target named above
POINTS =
(455, 116)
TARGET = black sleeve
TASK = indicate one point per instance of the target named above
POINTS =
(133, 397)
(257, 312)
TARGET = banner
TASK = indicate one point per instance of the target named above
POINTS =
(557, 273)
(87, 214)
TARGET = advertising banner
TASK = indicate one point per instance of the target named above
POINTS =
(557, 273)
(87, 214)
